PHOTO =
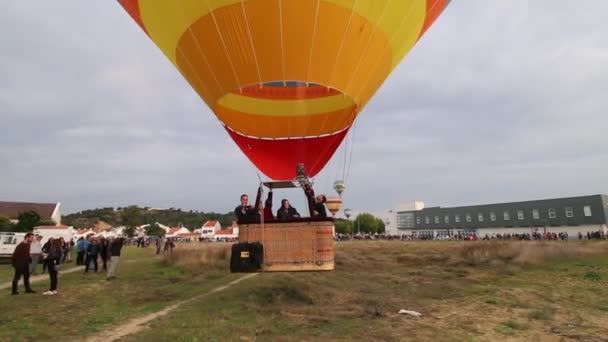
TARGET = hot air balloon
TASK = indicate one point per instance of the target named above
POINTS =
(286, 78)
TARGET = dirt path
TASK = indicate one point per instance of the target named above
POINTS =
(135, 325)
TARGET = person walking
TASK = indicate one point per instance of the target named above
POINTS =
(35, 253)
(21, 263)
(114, 250)
(53, 254)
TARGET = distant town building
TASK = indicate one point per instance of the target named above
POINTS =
(571, 215)
(177, 231)
(209, 229)
(47, 211)
(227, 234)
(392, 221)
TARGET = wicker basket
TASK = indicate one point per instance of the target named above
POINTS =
(293, 246)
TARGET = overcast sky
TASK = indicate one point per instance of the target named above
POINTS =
(501, 100)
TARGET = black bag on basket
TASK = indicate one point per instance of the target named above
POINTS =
(246, 257)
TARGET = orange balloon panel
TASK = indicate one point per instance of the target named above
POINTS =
(285, 69)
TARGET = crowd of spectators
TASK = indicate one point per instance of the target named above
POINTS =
(469, 236)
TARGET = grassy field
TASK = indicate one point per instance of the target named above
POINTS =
(464, 291)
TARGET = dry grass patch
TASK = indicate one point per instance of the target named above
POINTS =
(194, 255)
(527, 252)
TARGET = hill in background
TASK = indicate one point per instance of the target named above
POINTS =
(137, 215)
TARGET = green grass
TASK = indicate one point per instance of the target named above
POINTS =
(6, 272)
(88, 303)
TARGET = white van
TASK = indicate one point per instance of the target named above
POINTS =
(8, 243)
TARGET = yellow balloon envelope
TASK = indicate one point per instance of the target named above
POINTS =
(286, 78)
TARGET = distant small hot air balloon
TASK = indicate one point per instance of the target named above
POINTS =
(286, 78)
(339, 187)
(347, 213)
(333, 204)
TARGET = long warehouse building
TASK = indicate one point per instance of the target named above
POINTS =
(571, 215)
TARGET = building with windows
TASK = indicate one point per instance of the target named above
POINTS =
(571, 215)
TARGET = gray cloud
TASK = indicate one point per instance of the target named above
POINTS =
(500, 101)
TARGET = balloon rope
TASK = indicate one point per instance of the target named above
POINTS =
(369, 40)
(236, 77)
(312, 44)
(350, 135)
(262, 226)
(352, 147)
(345, 155)
(337, 164)
(255, 57)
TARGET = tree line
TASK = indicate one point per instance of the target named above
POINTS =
(363, 223)
(134, 216)
(27, 220)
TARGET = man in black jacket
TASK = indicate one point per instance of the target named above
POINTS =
(246, 212)
(21, 263)
(287, 212)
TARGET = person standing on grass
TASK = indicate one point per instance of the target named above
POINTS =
(35, 252)
(62, 245)
(45, 247)
(159, 244)
(21, 263)
(114, 250)
(53, 254)
(103, 252)
(67, 251)
(92, 253)
(169, 245)
(80, 251)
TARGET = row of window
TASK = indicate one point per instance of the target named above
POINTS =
(506, 215)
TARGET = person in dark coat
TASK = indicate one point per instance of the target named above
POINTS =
(268, 208)
(246, 212)
(286, 211)
(242, 210)
(319, 208)
(103, 252)
(53, 254)
(21, 263)
(310, 196)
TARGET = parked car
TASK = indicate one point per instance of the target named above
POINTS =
(8, 243)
